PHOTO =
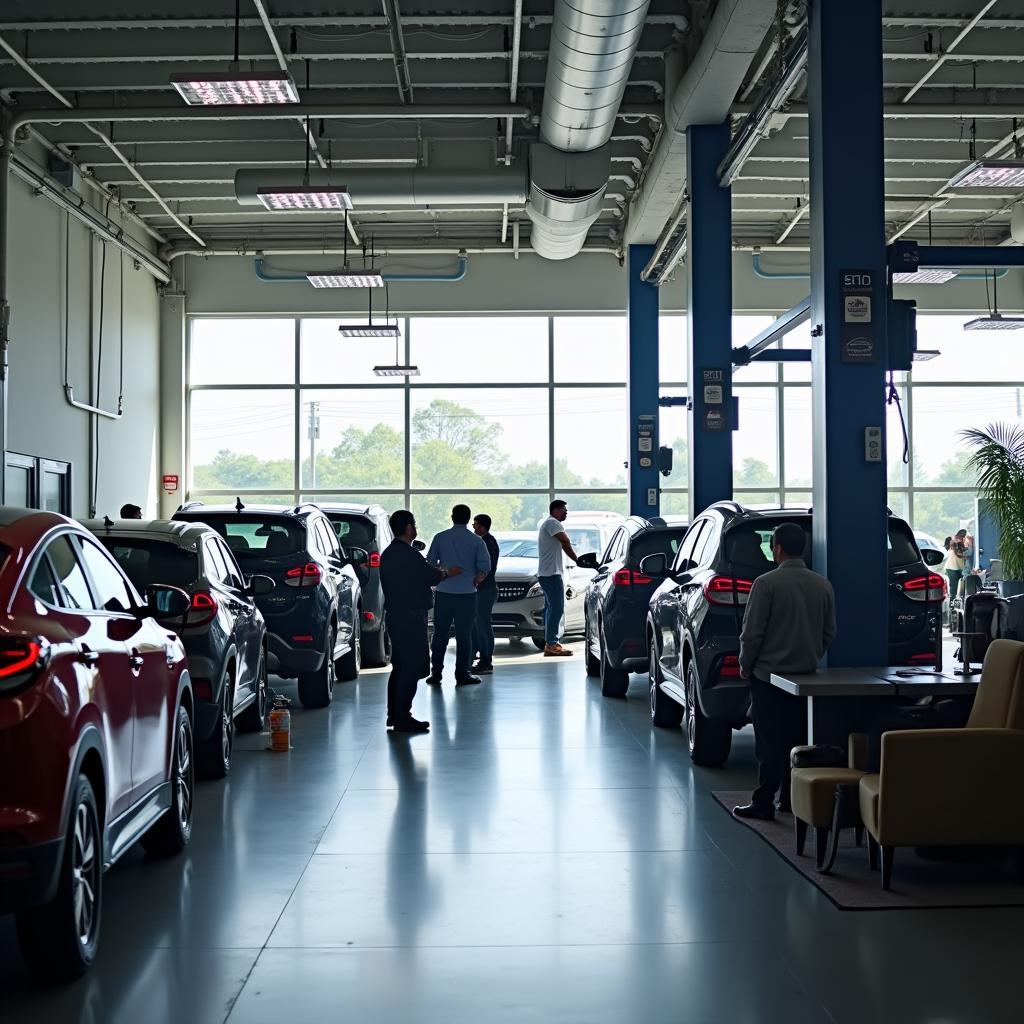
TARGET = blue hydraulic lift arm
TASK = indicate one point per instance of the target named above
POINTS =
(799, 314)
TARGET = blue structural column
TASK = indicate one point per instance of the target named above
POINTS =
(709, 324)
(848, 317)
(644, 496)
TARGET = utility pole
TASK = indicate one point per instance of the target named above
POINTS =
(313, 432)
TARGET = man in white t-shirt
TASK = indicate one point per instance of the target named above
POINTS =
(552, 540)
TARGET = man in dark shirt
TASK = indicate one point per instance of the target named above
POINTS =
(407, 580)
(486, 594)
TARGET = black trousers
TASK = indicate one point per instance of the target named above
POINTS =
(410, 660)
(460, 609)
(779, 725)
(483, 626)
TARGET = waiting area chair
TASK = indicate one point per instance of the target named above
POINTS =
(954, 787)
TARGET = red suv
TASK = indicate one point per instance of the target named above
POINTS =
(96, 747)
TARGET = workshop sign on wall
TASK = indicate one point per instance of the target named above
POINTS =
(856, 326)
(713, 412)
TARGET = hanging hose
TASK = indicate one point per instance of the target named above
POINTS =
(894, 398)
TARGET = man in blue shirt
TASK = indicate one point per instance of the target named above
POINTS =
(455, 597)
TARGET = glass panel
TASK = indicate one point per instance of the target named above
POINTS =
(967, 355)
(675, 503)
(43, 585)
(672, 349)
(328, 358)
(69, 573)
(480, 349)
(53, 492)
(900, 503)
(249, 499)
(943, 513)
(798, 499)
(508, 512)
(744, 328)
(591, 349)
(242, 439)
(755, 444)
(360, 438)
(111, 590)
(228, 351)
(18, 480)
(758, 499)
(590, 437)
(250, 535)
(894, 440)
(480, 438)
(391, 502)
(798, 338)
(146, 562)
(796, 428)
(940, 414)
(595, 501)
(673, 423)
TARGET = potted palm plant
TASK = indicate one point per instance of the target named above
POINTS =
(998, 460)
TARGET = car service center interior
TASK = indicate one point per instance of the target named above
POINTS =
(702, 270)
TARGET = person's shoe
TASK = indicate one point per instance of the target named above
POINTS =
(781, 808)
(434, 680)
(556, 651)
(411, 725)
(753, 811)
(482, 667)
(468, 681)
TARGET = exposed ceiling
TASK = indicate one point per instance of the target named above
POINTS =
(479, 57)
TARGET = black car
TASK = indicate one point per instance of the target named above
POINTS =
(695, 617)
(314, 613)
(366, 527)
(616, 600)
(224, 635)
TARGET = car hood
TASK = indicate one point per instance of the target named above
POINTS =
(509, 567)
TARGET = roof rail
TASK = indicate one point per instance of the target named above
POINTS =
(734, 505)
(187, 506)
(304, 505)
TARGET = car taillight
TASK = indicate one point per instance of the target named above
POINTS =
(730, 667)
(19, 658)
(308, 575)
(203, 609)
(374, 560)
(926, 588)
(917, 658)
(627, 577)
(369, 617)
(727, 590)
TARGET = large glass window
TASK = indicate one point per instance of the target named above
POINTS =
(590, 437)
(480, 349)
(228, 351)
(591, 349)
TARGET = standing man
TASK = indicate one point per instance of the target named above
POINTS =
(552, 540)
(789, 623)
(407, 580)
(455, 600)
(486, 594)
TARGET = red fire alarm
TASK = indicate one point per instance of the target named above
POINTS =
(170, 482)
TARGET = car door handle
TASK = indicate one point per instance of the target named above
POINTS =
(87, 657)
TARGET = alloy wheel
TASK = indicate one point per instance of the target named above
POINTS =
(183, 780)
(85, 869)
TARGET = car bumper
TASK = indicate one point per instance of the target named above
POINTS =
(29, 874)
(288, 660)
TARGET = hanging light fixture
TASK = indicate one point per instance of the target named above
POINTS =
(306, 196)
(924, 275)
(995, 321)
(384, 330)
(346, 278)
(235, 87)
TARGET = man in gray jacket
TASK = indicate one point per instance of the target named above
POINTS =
(789, 623)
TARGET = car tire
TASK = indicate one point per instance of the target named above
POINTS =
(316, 689)
(171, 834)
(59, 941)
(215, 751)
(709, 741)
(377, 648)
(665, 712)
(614, 681)
(538, 642)
(349, 663)
(254, 717)
(593, 665)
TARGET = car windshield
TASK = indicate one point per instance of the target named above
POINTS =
(256, 536)
(353, 530)
(148, 562)
(519, 549)
(584, 538)
(656, 542)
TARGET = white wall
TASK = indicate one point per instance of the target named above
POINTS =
(40, 422)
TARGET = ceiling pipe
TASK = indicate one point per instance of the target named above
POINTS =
(593, 43)
(456, 275)
(246, 247)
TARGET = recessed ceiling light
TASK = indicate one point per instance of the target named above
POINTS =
(991, 174)
(370, 331)
(397, 371)
(925, 275)
(995, 322)
(347, 279)
(305, 197)
(233, 88)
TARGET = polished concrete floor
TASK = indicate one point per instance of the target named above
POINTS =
(542, 855)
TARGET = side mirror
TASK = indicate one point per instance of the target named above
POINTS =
(166, 604)
(932, 557)
(260, 585)
(588, 561)
(655, 565)
(419, 545)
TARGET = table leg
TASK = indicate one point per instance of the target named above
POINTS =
(810, 721)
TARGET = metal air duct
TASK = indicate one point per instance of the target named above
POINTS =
(593, 43)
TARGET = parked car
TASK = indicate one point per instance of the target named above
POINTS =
(96, 733)
(696, 614)
(314, 613)
(366, 527)
(590, 531)
(224, 633)
(616, 600)
(934, 555)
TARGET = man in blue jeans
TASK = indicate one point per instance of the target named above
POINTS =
(455, 597)
(552, 542)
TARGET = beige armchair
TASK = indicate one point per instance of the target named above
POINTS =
(949, 787)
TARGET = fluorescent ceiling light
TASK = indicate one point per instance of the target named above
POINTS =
(305, 197)
(370, 331)
(925, 275)
(922, 355)
(991, 174)
(397, 371)
(234, 88)
(995, 322)
(347, 279)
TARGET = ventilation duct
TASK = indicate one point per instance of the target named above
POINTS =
(593, 43)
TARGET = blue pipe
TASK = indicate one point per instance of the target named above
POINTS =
(457, 275)
(770, 275)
